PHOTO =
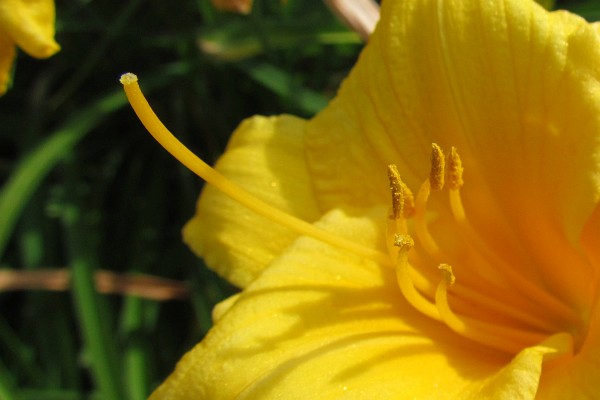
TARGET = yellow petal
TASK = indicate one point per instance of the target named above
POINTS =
(31, 25)
(266, 157)
(7, 56)
(321, 323)
(513, 86)
(520, 379)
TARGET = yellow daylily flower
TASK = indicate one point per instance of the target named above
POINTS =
(433, 233)
(28, 24)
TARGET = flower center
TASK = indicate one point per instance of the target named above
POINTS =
(479, 295)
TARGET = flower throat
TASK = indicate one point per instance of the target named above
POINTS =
(507, 314)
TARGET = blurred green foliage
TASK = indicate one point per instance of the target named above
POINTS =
(84, 187)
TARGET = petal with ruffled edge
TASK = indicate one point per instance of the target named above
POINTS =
(266, 157)
(322, 323)
(31, 25)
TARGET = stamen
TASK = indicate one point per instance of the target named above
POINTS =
(411, 294)
(403, 200)
(397, 191)
(421, 228)
(203, 170)
(513, 323)
(503, 305)
(404, 242)
(438, 163)
(434, 182)
(447, 274)
(455, 170)
(497, 336)
(408, 207)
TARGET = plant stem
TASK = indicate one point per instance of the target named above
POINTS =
(89, 306)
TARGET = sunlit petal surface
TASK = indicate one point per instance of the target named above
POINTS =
(256, 158)
(320, 323)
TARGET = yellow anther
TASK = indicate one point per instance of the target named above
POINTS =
(447, 273)
(455, 170)
(403, 200)
(438, 163)
(397, 191)
(404, 242)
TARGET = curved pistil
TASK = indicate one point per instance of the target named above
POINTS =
(195, 164)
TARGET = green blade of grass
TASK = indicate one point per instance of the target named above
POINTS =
(49, 394)
(283, 84)
(39, 162)
(90, 308)
(135, 359)
(20, 354)
(8, 390)
(137, 319)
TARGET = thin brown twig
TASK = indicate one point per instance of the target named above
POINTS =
(145, 286)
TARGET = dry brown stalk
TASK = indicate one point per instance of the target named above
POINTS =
(145, 286)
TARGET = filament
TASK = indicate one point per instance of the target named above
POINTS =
(493, 335)
(407, 287)
(525, 286)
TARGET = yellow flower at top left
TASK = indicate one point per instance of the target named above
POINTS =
(28, 24)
